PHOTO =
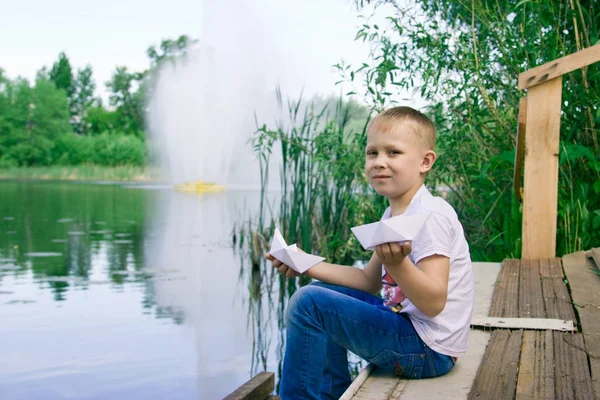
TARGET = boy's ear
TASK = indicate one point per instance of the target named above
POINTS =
(428, 161)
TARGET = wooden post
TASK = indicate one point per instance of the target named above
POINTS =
(521, 132)
(540, 187)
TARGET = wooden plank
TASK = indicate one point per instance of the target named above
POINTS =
(548, 368)
(540, 188)
(580, 371)
(357, 382)
(257, 388)
(557, 299)
(525, 323)
(521, 132)
(497, 374)
(551, 268)
(379, 385)
(484, 384)
(531, 300)
(506, 291)
(526, 379)
(596, 256)
(510, 365)
(584, 285)
(562, 379)
(559, 67)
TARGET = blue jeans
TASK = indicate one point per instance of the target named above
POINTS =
(323, 321)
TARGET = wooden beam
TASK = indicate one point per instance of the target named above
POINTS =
(521, 131)
(257, 388)
(540, 189)
(524, 323)
(559, 67)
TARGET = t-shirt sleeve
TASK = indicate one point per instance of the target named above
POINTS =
(434, 238)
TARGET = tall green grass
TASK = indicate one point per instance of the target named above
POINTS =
(324, 192)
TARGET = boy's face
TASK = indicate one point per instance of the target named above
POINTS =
(395, 159)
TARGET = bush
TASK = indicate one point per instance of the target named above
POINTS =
(118, 149)
(73, 150)
(105, 149)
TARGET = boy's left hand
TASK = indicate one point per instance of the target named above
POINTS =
(393, 253)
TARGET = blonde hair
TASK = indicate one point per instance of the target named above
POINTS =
(423, 126)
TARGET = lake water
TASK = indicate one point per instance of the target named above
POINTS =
(118, 292)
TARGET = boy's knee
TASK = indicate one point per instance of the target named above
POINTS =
(303, 299)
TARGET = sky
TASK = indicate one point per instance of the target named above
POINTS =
(310, 35)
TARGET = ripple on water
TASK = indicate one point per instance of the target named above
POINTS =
(9, 267)
(75, 279)
(59, 241)
(20, 302)
(64, 220)
(76, 233)
(123, 241)
(5, 292)
(7, 260)
(43, 254)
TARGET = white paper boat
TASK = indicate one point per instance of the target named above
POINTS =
(290, 255)
(395, 229)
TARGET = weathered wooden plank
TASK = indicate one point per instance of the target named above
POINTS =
(357, 382)
(551, 268)
(557, 300)
(531, 301)
(580, 371)
(584, 285)
(540, 188)
(506, 292)
(596, 256)
(527, 372)
(562, 365)
(379, 385)
(559, 67)
(497, 374)
(524, 323)
(484, 383)
(257, 388)
(547, 346)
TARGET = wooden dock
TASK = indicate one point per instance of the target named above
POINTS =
(533, 363)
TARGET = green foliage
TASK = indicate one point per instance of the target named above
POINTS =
(464, 58)
(37, 123)
(82, 100)
(106, 150)
(169, 49)
(127, 95)
(62, 75)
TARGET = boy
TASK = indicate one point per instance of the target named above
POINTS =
(421, 325)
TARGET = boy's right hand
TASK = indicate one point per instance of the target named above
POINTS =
(283, 268)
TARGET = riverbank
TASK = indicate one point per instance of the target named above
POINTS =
(83, 173)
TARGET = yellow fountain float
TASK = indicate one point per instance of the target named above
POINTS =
(199, 187)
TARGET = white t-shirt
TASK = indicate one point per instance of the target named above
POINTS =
(448, 332)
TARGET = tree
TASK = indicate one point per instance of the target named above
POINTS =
(169, 49)
(62, 75)
(83, 98)
(127, 96)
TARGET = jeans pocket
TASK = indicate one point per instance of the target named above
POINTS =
(402, 365)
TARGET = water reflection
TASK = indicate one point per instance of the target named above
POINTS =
(119, 292)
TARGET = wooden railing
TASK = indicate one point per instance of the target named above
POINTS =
(538, 136)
